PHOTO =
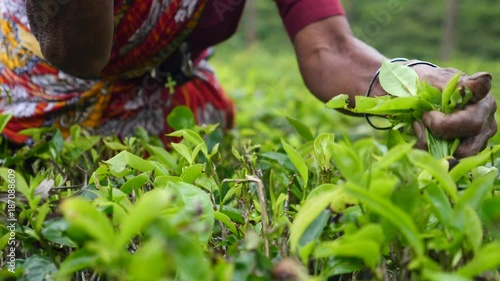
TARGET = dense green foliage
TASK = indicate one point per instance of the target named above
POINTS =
(275, 197)
(295, 191)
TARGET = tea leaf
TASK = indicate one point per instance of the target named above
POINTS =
(4, 120)
(298, 161)
(467, 164)
(142, 214)
(78, 260)
(322, 149)
(391, 213)
(226, 221)
(135, 182)
(398, 80)
(426, 162)
(366, 250)
(449, 89)
(473, 229)
(301, 128)
(477, 191)
(487, 258)
(88, 220)
(338, 102)
(180, 118)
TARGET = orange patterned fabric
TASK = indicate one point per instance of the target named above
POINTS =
(128, 95)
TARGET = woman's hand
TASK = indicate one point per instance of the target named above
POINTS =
(74, 35)
(474, 124)
(333, 62)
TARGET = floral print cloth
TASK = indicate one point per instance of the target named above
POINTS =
(130, 93)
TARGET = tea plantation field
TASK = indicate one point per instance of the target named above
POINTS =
(295, 192)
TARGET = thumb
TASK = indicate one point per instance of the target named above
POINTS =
(479, 84)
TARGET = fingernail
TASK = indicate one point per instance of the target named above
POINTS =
(480, 75)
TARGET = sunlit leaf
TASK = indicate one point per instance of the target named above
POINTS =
(398, 80)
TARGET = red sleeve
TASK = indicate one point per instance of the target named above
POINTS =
(296, 14)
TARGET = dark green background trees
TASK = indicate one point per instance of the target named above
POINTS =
(443, 29)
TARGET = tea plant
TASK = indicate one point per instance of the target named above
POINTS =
(302, 206)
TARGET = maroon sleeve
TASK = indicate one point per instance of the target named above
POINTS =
(296, 14)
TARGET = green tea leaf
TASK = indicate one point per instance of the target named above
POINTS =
(4, 120)
(443, 276)
(449, 89)
(192, 173)
(473, 229)
(396, 216)
(440, 204)
(148, 263)
(430, 94)
(488, 258)
(183, 151)
(311, 210)
(226, 221)
(372, 232)
(322, 149)
(38, 268)
(477, 191)
(426, 162)
(298, 162)
(348, 163)
(192, 137)
(180, 118)
(82, 215)
(114, 145)
(467, 164)
(190, 260)
(162, 156)
(398, 80)
(76, 261)
(399, 105)
(142, 214)
(392, 156)
(135, 182)
(366, 250)
(338, 102)
(301, 128)
(20, 182)
(198, 209)
(310, 237)
(118, 164)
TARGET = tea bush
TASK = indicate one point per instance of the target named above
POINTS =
(288, 195)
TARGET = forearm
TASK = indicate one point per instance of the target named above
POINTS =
(333, 62)
(77, 37)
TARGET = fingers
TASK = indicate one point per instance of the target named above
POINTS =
(420, 132)
(479, 84)
(461, 124)
(474, 145)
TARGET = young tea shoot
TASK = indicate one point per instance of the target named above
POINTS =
(407, 100)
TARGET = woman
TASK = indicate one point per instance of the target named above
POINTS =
(113, 65)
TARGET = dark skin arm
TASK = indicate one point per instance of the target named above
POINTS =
(76, 36)
(333, 62)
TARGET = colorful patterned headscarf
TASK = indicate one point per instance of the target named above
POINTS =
(146, 33)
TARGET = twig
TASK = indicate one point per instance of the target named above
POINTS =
(263, 211)
(262, 202)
